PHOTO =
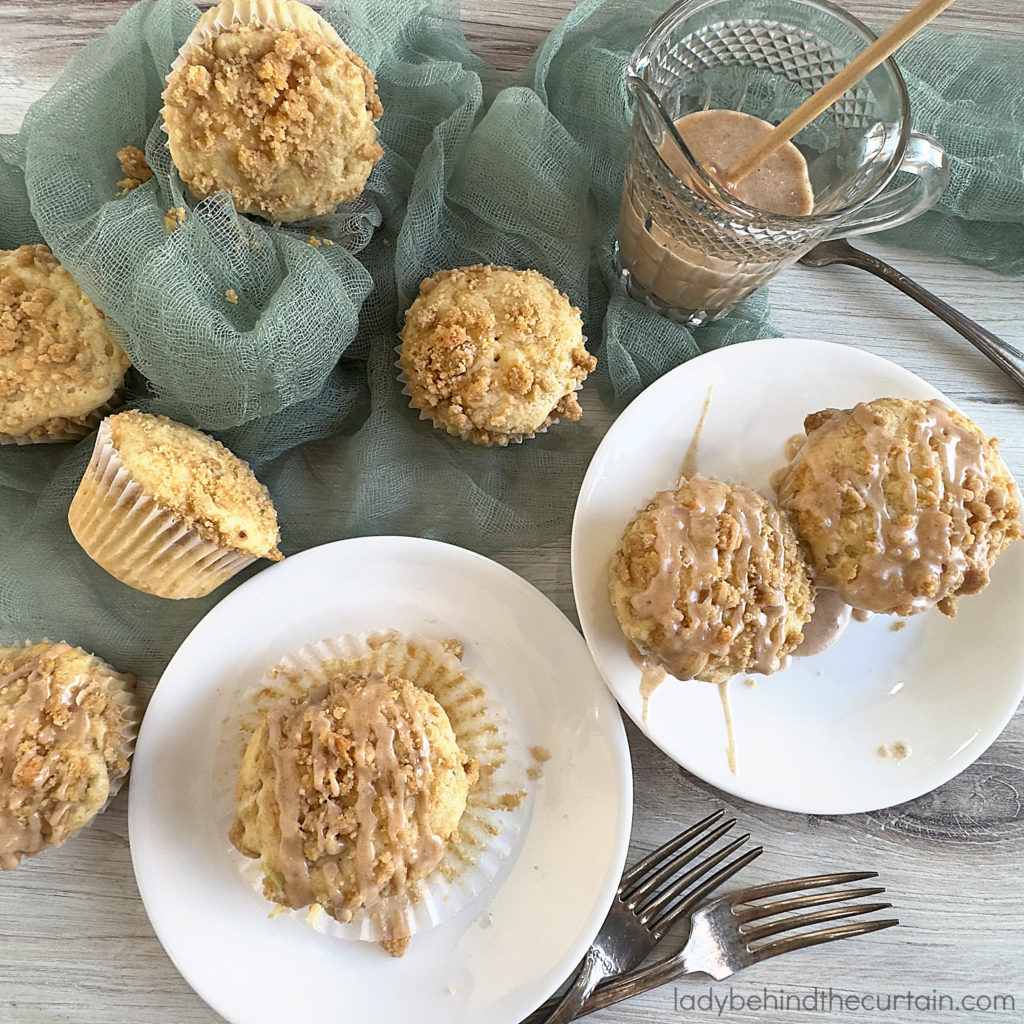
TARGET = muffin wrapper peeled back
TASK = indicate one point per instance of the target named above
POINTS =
(493, 819)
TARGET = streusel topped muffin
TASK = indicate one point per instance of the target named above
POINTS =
(709, 580)
(168, 509)
(267, 102)
(351, 793)
(67, 728)
(493, 354)
(902, 504)
(59, 363)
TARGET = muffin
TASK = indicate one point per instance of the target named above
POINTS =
(351, 793)
(60, 367)
(169, 510)
(709, 580)
(455, 827)
(266, 102)
(67, 729)
(901, 504)
(493, 354)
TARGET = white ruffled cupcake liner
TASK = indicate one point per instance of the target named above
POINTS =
(137, 540)
(278, 15)
(493, 817)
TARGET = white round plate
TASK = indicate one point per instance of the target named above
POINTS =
(807, 738)
(502, 955)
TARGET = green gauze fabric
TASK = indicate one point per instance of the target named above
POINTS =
(299, 377)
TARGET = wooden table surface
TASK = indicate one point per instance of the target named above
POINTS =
(75, 943)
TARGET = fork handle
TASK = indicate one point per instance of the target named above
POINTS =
(661, 972)
(594, 967)
(1000, 352)
(614, 990)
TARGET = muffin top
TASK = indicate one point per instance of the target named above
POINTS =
(280, 117)
(63, 714)
(708, 580)
(902, 504)
(493, 354)
(203, 483)
(350, 793)
(58, 360)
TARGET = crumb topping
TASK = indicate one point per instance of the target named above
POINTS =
(351, 792)
(491, 353)
(58, 360)
(174, 218)
(61, 744)
(284, 120)
(207, 486)
(134, 168)
(902, 504)
(709, 581)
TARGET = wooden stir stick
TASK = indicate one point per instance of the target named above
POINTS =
(884, 46)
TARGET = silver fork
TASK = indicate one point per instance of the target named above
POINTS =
(1007, 357)
(644, 907)
(730, 933)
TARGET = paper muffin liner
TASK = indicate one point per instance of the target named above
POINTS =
(280, 15)
(467, 435)
(493, 817)
(137, 540)
(122, 688)
(68, 428)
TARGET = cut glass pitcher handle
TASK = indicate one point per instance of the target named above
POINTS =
(927, 161)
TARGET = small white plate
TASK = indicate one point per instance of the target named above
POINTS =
(501, 956)
(807, 738)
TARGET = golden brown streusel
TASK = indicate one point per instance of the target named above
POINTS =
(493, 354)
(174, 218)
(281, 119)
(134, 168)
(66, 722)
(709, 581)
(367, 775)
(902, 504)
(58, 361)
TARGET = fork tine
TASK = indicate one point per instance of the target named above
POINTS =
(762, 931)
(666, 850)
(659, 900)
(646, 886)
(661, 922)
(814, 899)
(759, 892)
(842, 931)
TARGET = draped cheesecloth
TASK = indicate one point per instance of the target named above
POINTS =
(298, 377)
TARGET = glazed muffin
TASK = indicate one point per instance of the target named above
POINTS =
(169, 510)
(67, 729)
(60, 367)
(267, 102)
(493, 354)
(709, 580)
(350, 793)
(902, 504)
